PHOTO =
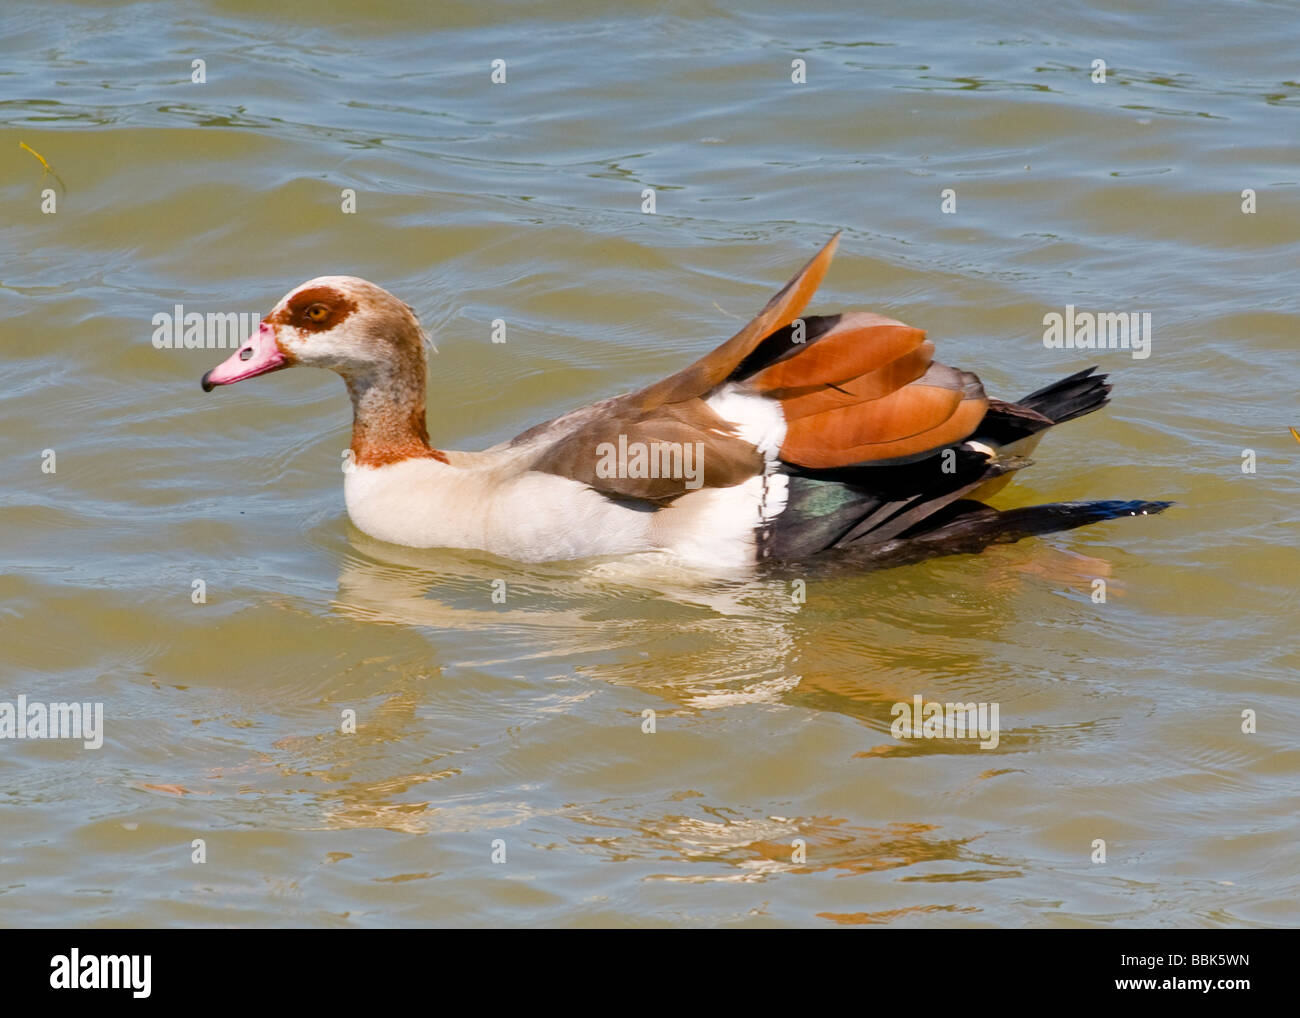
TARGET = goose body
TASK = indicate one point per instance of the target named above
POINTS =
(797, 436)
(495, 501)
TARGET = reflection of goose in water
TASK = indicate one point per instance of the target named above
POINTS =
(790, 636)
(795, 437)
(704, 654)
(646, 620)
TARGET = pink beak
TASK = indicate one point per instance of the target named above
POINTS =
(259, 354)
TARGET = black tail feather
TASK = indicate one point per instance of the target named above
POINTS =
(967, 528)
(1079, 394)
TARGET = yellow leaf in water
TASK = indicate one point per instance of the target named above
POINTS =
(48, 168)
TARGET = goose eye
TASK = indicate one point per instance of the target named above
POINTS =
(318, 312)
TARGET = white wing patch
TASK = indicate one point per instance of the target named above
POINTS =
(759, 420)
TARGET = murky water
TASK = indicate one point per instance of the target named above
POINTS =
(521, 723)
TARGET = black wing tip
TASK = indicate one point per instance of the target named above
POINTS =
(1078, 513)
(1133, 507)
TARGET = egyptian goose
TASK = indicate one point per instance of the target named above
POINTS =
(796, 436)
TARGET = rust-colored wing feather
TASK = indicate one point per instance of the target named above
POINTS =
(920, 418)
(881, 382)
(865, 390)
(714, 368)
(859, 344)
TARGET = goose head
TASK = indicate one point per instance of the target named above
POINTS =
(348, 325)
(363, 333)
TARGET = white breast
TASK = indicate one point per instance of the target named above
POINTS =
(531, 517)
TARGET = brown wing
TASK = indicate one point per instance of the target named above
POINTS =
(856, 389)
(654, 455)
(673, 410)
